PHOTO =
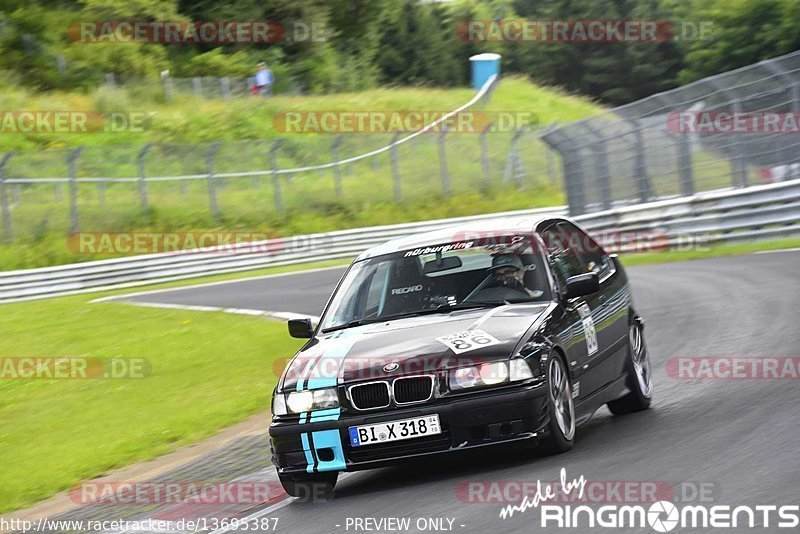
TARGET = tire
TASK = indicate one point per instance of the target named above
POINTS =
(560, 408)
(640, 378)
(311, 486)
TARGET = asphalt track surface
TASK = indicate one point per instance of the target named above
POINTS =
(738, 438)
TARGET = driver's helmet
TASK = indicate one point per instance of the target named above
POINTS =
(506, 268)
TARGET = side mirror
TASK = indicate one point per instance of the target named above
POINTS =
(300, 328)
(582, 284)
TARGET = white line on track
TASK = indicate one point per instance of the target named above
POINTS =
(776, 251)
(218, 283)
(280, 315)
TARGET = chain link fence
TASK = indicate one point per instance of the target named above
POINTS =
(655, 148)
(732, 130)
(108, 188)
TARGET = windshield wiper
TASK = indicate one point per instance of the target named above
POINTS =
(350, 324)
(439, 309)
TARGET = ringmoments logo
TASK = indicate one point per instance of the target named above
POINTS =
(660, 516)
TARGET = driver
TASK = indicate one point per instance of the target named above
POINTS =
(507, 270)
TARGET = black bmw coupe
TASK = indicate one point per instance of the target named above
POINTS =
(459, 338)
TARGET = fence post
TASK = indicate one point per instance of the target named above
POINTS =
(640, 165)
(398, 190)
(513, 163)
(166, 82)
(9, 234)
(572, 168)
(738, 165)
(276, 179)
(484, 140)
(685, 170)
(337, 175)
(601, 170)
(212, 187)
(443, 164)
(101, 192)
(142, 183)
(225, 86)
(72, 163)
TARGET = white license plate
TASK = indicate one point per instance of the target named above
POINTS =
(395, 430)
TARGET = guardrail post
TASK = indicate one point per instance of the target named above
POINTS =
(212, 186)
(72, 163)
(443, 163)
(276, 178)
(484, 140)
(337, 175)
(7, 230)
(142, 182)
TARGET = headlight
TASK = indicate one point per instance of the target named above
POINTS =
(490, 374)
(305, 401)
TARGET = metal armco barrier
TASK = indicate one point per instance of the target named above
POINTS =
(768, 211)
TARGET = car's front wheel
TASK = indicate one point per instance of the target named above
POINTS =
(310, 486)
(640, 378)
(561, 409)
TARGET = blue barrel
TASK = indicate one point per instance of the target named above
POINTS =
(483, 67)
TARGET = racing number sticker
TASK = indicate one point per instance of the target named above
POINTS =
(467, 340)
(588, 328)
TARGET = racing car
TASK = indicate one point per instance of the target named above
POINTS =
(465, 337)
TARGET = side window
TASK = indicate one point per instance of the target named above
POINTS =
(565, 262)
(591, 255)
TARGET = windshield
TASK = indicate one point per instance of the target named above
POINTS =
(439, 278)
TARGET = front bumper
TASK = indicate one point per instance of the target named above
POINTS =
(472, 420)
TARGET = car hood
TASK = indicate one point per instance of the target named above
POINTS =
(413, 345)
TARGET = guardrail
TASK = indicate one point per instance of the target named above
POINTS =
(757, 212)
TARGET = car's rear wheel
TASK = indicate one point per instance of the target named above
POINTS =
(561, 409)
(640, 378)
(310, 486)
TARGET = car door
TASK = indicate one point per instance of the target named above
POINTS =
(607, 309)
(575, 328)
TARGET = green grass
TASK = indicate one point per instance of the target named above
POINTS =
(207, 371)
(729, 249)
(41, 217)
